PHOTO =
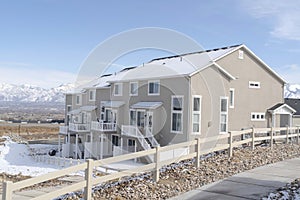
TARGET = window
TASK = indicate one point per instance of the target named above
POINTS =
(223, 114)
(115, 140)
(132, 117)
(69, 108)
(241, 54)
(258, 116)
(118, 89)
(78, 99)
(92, 95)
(196, 114)
(153, 88)
(231, 98)
(177, 114)
(254, 84)
(133, 89)
(131, 143)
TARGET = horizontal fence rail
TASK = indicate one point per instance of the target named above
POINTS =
(233, 139)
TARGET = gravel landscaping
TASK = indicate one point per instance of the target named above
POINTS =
(290, 191)
(184, 176)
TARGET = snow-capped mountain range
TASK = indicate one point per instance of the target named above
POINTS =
(30, 93)
(292, 91)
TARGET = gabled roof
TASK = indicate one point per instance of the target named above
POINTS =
(294, 103)
(278, 107)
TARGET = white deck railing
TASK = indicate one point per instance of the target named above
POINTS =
(101, 126)
(79, 127)
(133, 131)
(63, 129)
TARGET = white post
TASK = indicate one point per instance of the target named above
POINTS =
(88, 179)
(76, 146)
(273, 120)
(59, 146)
(121, 144)
(101, 146)
(69, 144)
(291, 120)
(7, 190)
(91, 144)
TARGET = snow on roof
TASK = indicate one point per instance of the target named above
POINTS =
(146, 105)
(112, 104)
(179, 65)
(171, 66)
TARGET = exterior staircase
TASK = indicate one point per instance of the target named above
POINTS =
(146, 141)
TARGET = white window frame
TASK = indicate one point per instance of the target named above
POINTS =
(196, 112)
(79, 98)
(93, 91)
(69, 108)
(223, 113)
(130, 89)
(254, 84)
(120, 91)
(241, 54)
(154, 81)
(259, 118)
(231, 98)
(177, 112)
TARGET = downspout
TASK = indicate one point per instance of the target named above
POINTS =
(189, 109)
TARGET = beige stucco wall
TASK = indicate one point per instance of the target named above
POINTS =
(249, 100)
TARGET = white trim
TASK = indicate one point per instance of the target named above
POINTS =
(120, 92)
(223, 113)
(231, 98)
(178, 112)
(94, 95)
(154, 94)
(137, 89)
(196, 112)
(254, 85)
(216, 65)
(259, 118)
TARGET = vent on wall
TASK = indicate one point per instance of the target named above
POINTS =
(241, 54)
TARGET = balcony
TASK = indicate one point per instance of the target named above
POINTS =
(104, 126)
(79, 127)
(63, 130)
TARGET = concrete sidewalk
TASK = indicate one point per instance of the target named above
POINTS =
(253, 184)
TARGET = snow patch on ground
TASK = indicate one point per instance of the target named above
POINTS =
(15, 159)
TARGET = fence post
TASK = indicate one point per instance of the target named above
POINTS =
(230, 145)
(253, 138)
(198, 153)
(271, 140)
(7, 190)
(287, 135)
(156, 160)
(88, 179)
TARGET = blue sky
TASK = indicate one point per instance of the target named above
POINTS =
(44, 42)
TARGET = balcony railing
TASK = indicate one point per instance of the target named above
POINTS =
(79, 127)
(104, 126)
(63, 129)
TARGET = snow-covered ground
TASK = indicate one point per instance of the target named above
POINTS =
(15, 159)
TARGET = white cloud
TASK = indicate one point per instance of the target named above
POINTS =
(290, 73)
(285, 16)
(46, 78)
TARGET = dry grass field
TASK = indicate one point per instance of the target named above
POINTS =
(30, 131)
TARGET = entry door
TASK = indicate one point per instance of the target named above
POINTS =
(141, 119)
(149, 121)
(115, 141)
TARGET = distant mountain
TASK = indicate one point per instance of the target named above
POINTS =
(29, 93)
(292, 91)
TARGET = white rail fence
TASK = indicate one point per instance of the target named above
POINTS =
(234, 139)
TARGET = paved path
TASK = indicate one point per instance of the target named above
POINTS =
(252, 184)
